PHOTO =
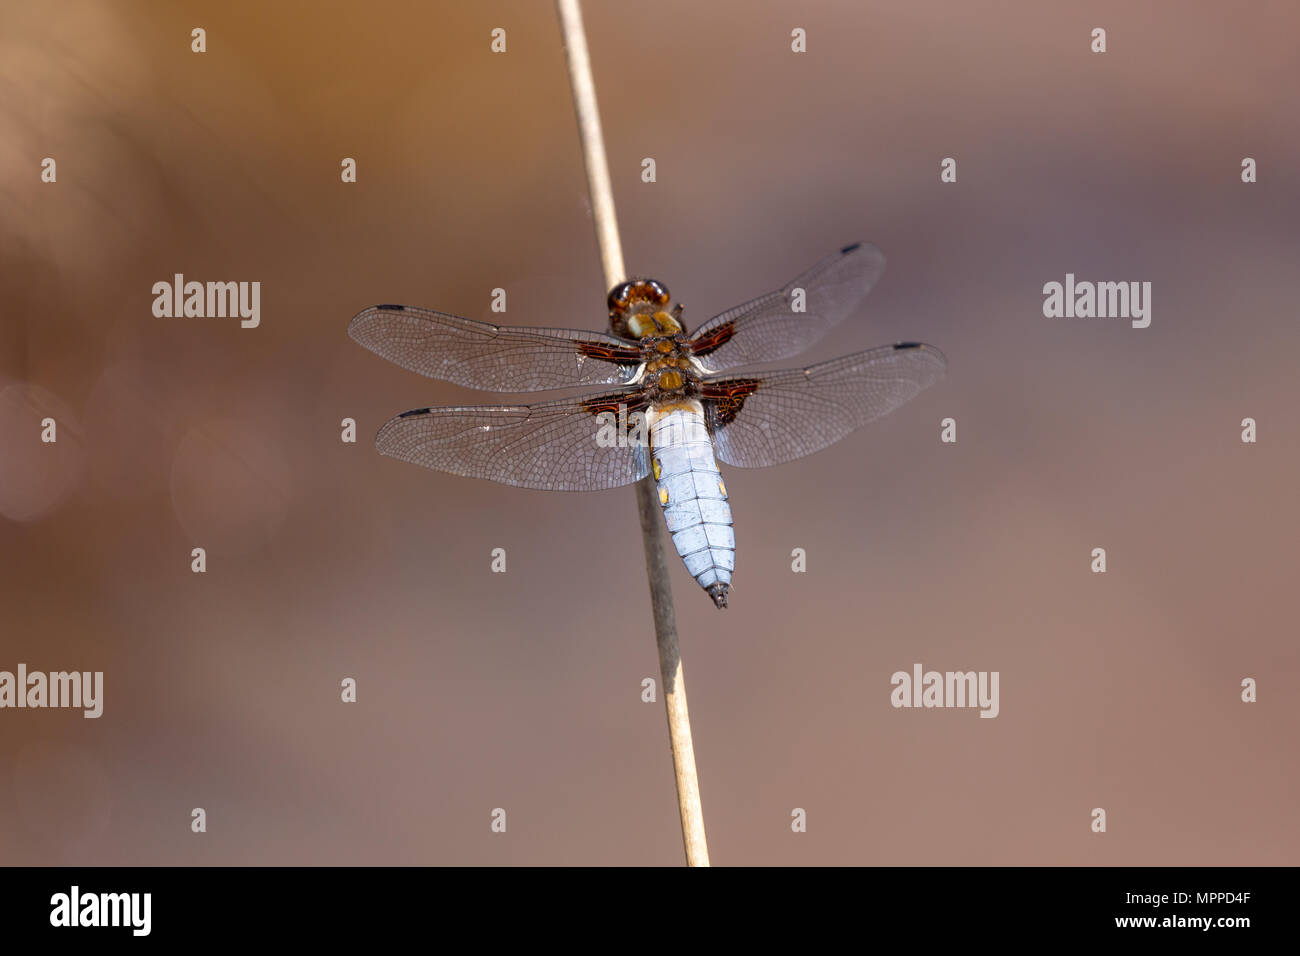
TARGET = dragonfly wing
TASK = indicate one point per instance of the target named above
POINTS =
(493, 357)
(774, 417)
(771, 327)
(554, 446)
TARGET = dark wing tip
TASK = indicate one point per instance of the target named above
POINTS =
(359, 327)
(939, 358)
(385, 436)
(865, 256)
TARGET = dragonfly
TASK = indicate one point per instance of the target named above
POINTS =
(670, 412)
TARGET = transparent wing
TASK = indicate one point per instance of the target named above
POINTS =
(769, 328)
(492, 357)
(774, 417)
(552, 446)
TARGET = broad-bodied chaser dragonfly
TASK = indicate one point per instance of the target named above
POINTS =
(668, 379)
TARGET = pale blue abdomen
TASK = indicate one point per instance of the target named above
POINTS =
(693, 496)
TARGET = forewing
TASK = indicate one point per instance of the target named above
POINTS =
(551, 446)
(493, 357)
(769, 328)
(775, 417)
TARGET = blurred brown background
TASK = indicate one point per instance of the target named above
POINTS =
(481, 690)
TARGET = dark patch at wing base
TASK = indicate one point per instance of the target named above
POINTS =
(609, 353)
(602, 404)
(714, 340)
(724, 400)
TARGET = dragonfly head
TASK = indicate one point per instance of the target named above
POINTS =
(638, 308)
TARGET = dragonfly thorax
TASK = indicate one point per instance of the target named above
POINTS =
(669, 374)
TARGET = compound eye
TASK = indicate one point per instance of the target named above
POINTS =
(619, 297)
